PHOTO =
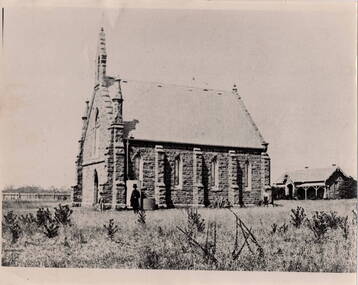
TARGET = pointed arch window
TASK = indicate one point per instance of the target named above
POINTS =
(214, 173)
(96, 133)
(248, 175)
(138, 167)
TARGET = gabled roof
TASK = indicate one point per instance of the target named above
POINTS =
(172, 113)
(308, 175)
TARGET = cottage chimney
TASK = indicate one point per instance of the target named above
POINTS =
(334, 165)
(306, 167)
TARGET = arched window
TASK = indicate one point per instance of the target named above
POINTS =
(214, 173)
(138, 167)
(248, 175)
(178, 171)
(96, 133)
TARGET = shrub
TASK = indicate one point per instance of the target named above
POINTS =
(297, 216)
(51, 229)
(333, 220)
(195, 222)
(11, 223)
(43, 216)
(111, 229)
(63, 214)
(319, 225)
(28, 223)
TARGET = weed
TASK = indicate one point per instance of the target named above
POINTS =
(344, 226)
(141, 217)
(63, 214)
(273, 228)
(318, 225)
(195, 221)
(11, 223)
(51, 229)
(43, 216)
(150, 258)
(283, 229)
(27, 219)
(333, 220)
(297, 216)
(111, 229)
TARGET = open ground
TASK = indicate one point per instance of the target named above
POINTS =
(170, 239)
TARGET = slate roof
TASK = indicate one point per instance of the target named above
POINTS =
(309, 175)
(173, 113)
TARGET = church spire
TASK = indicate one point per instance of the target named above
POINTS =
(101, 58)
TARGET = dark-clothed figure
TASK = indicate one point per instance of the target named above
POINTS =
(135, 199)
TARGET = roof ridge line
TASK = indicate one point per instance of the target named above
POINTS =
(173, 84)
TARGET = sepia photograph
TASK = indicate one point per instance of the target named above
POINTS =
(199, 137)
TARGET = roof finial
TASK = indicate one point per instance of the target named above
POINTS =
(101, 58)
(235, 91)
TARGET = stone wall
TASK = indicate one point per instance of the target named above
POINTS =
(196, 187)
(94, 145)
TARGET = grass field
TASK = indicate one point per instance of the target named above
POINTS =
(159, 244)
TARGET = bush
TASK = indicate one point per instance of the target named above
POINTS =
(319, 225)
(51, 229)
(11, 223)
(63, 214)
(42, 216)
(333, 220)
(28, 223)
(297, 216)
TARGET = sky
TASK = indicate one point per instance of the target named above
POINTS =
(294, 66)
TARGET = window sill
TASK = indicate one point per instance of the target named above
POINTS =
(215, 188)
(178, 187)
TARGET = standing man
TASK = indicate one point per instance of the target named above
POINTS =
(135, 199)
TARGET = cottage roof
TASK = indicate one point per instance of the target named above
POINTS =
(308, 175)
(173, 113)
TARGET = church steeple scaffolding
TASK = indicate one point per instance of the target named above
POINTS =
(101, 59)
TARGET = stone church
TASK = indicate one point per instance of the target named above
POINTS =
(181, 146)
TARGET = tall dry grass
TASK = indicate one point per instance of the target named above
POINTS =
(158, 244)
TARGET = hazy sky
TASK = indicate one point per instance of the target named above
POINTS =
(295, 69)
